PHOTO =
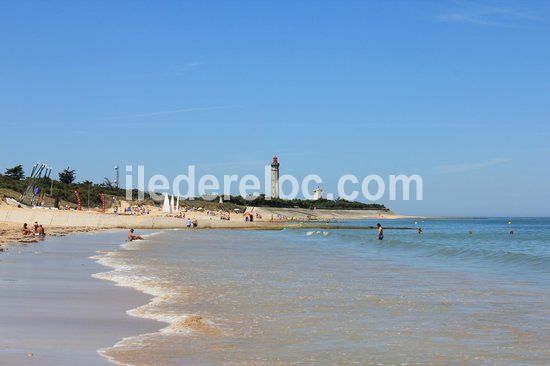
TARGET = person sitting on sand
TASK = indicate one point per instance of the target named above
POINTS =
(40, 231)
(380, 232)
(132, 237)
(35, 230)
(26, 230)
(195, 223)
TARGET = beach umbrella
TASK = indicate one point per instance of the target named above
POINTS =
(166, 205)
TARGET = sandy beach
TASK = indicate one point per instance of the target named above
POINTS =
(54, 312)
(61, 222)
(11, 233)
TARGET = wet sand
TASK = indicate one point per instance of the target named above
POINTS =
(52, 312)
(11, 232)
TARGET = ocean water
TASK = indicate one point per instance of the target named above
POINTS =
(308, 297)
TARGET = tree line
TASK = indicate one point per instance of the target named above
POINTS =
(64, 187)
(67, 176)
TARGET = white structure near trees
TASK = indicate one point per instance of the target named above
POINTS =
(317, 193)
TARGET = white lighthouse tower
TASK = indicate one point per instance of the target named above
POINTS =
(275, 177)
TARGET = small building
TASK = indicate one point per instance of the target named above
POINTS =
(317, 193)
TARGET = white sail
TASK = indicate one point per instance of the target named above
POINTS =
(172, 203)
(166, 205)
(177, 208)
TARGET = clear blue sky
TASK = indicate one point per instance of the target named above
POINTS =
(458, 92)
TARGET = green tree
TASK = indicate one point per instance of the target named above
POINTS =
(67, 176)
(15, 173)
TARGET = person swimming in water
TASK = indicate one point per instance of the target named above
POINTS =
(420, 231)
(380, 232)
(132, 236)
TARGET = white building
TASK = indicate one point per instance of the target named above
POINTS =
(317, 193)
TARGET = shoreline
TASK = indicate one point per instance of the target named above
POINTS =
(60, 223)
(116, 274)
(125, 271)
(56, 289)
(64, 316)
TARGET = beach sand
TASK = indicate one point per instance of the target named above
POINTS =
(11, 232)
(60, 222)
(53, 312)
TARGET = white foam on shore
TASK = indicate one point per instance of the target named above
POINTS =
(162, 292)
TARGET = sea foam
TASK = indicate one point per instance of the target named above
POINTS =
(125, 274)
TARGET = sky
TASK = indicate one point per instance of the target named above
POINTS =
(457, 92)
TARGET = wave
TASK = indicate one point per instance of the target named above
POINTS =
(502, 256)
(320, 233)
(125, 274)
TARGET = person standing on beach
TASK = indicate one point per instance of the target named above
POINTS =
(380, 232)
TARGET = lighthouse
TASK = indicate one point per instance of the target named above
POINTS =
(275, 177)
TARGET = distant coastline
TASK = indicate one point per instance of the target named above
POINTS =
(62, 222)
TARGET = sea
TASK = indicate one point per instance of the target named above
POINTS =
(464, 292)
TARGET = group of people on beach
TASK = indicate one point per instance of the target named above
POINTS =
(38, 230)
(191, 223)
